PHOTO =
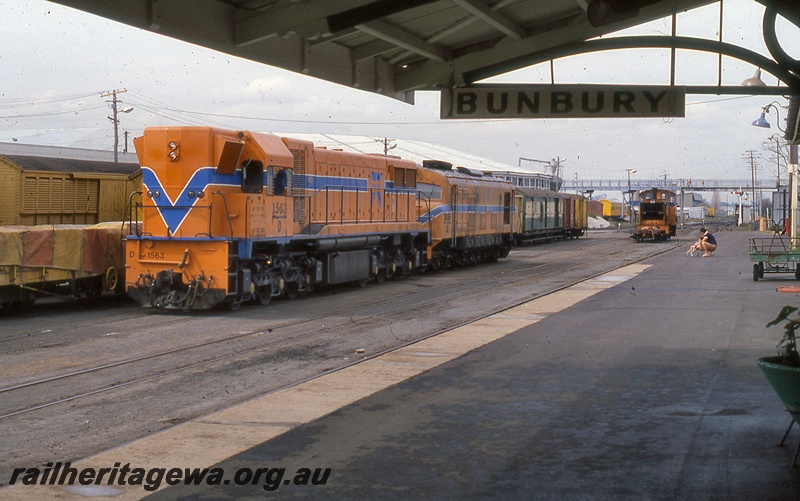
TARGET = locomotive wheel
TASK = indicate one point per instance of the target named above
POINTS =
(264, 294)
(380, 277)
(292, 290)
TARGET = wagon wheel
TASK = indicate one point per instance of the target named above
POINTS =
(761, 270)
(755, 272)
(92, 287)
(111, 279)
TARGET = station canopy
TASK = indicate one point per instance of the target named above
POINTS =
(391, 47)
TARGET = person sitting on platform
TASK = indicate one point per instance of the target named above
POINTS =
(708, 243)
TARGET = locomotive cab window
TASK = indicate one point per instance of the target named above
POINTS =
(652, 210)
(405, 178)
(279, 181)
(252, 176)
(426, 190)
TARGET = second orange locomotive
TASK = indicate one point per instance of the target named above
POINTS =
(657, 218)
(229, 216)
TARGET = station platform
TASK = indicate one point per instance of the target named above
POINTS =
(638, 384)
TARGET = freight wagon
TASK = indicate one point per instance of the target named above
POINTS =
(43, 190)
(61, 260)
(543, 215)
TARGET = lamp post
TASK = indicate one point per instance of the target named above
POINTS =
(115, 110)
(791, 167)
(629, 171)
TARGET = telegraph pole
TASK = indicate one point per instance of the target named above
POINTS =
(386, 147)
(115, 110)
(753, 211)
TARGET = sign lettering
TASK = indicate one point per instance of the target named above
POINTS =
(563, 101)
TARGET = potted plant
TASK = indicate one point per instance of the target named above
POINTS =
(783, 371)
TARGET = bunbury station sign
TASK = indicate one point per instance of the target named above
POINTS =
(563, 101)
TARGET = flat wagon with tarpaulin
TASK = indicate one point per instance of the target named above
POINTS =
(61, 260)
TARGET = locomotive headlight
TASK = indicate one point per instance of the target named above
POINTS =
(200, 193)
(191, 194)
(174, 151)
(156, 194)
(149, 193)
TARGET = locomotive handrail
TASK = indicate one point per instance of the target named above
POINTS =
(227, 212)
(327, 190)
(427, 200)
(128, 210)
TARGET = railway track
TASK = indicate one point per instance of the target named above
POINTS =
(332, 321)
(294, 347)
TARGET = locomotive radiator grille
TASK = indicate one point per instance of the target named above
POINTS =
(299, 185)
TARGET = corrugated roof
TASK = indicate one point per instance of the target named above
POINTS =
(38, 150)
(70, 165)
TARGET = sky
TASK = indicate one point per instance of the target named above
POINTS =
(55, 62)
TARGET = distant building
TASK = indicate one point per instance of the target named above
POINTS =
(692, 199)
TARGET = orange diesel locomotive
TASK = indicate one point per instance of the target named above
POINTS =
(229, 216)
(468, 214)
(657, 219)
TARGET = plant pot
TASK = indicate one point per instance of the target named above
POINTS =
(785, 380)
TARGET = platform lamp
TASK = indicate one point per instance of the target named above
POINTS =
(755, 80)
(761, 121)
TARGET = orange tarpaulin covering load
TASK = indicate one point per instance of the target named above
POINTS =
(86, 250)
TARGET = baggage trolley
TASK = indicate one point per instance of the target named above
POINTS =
(774, 255)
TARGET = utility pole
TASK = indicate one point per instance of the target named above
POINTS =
(386, 147)
(115, 110)
(752, 159)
